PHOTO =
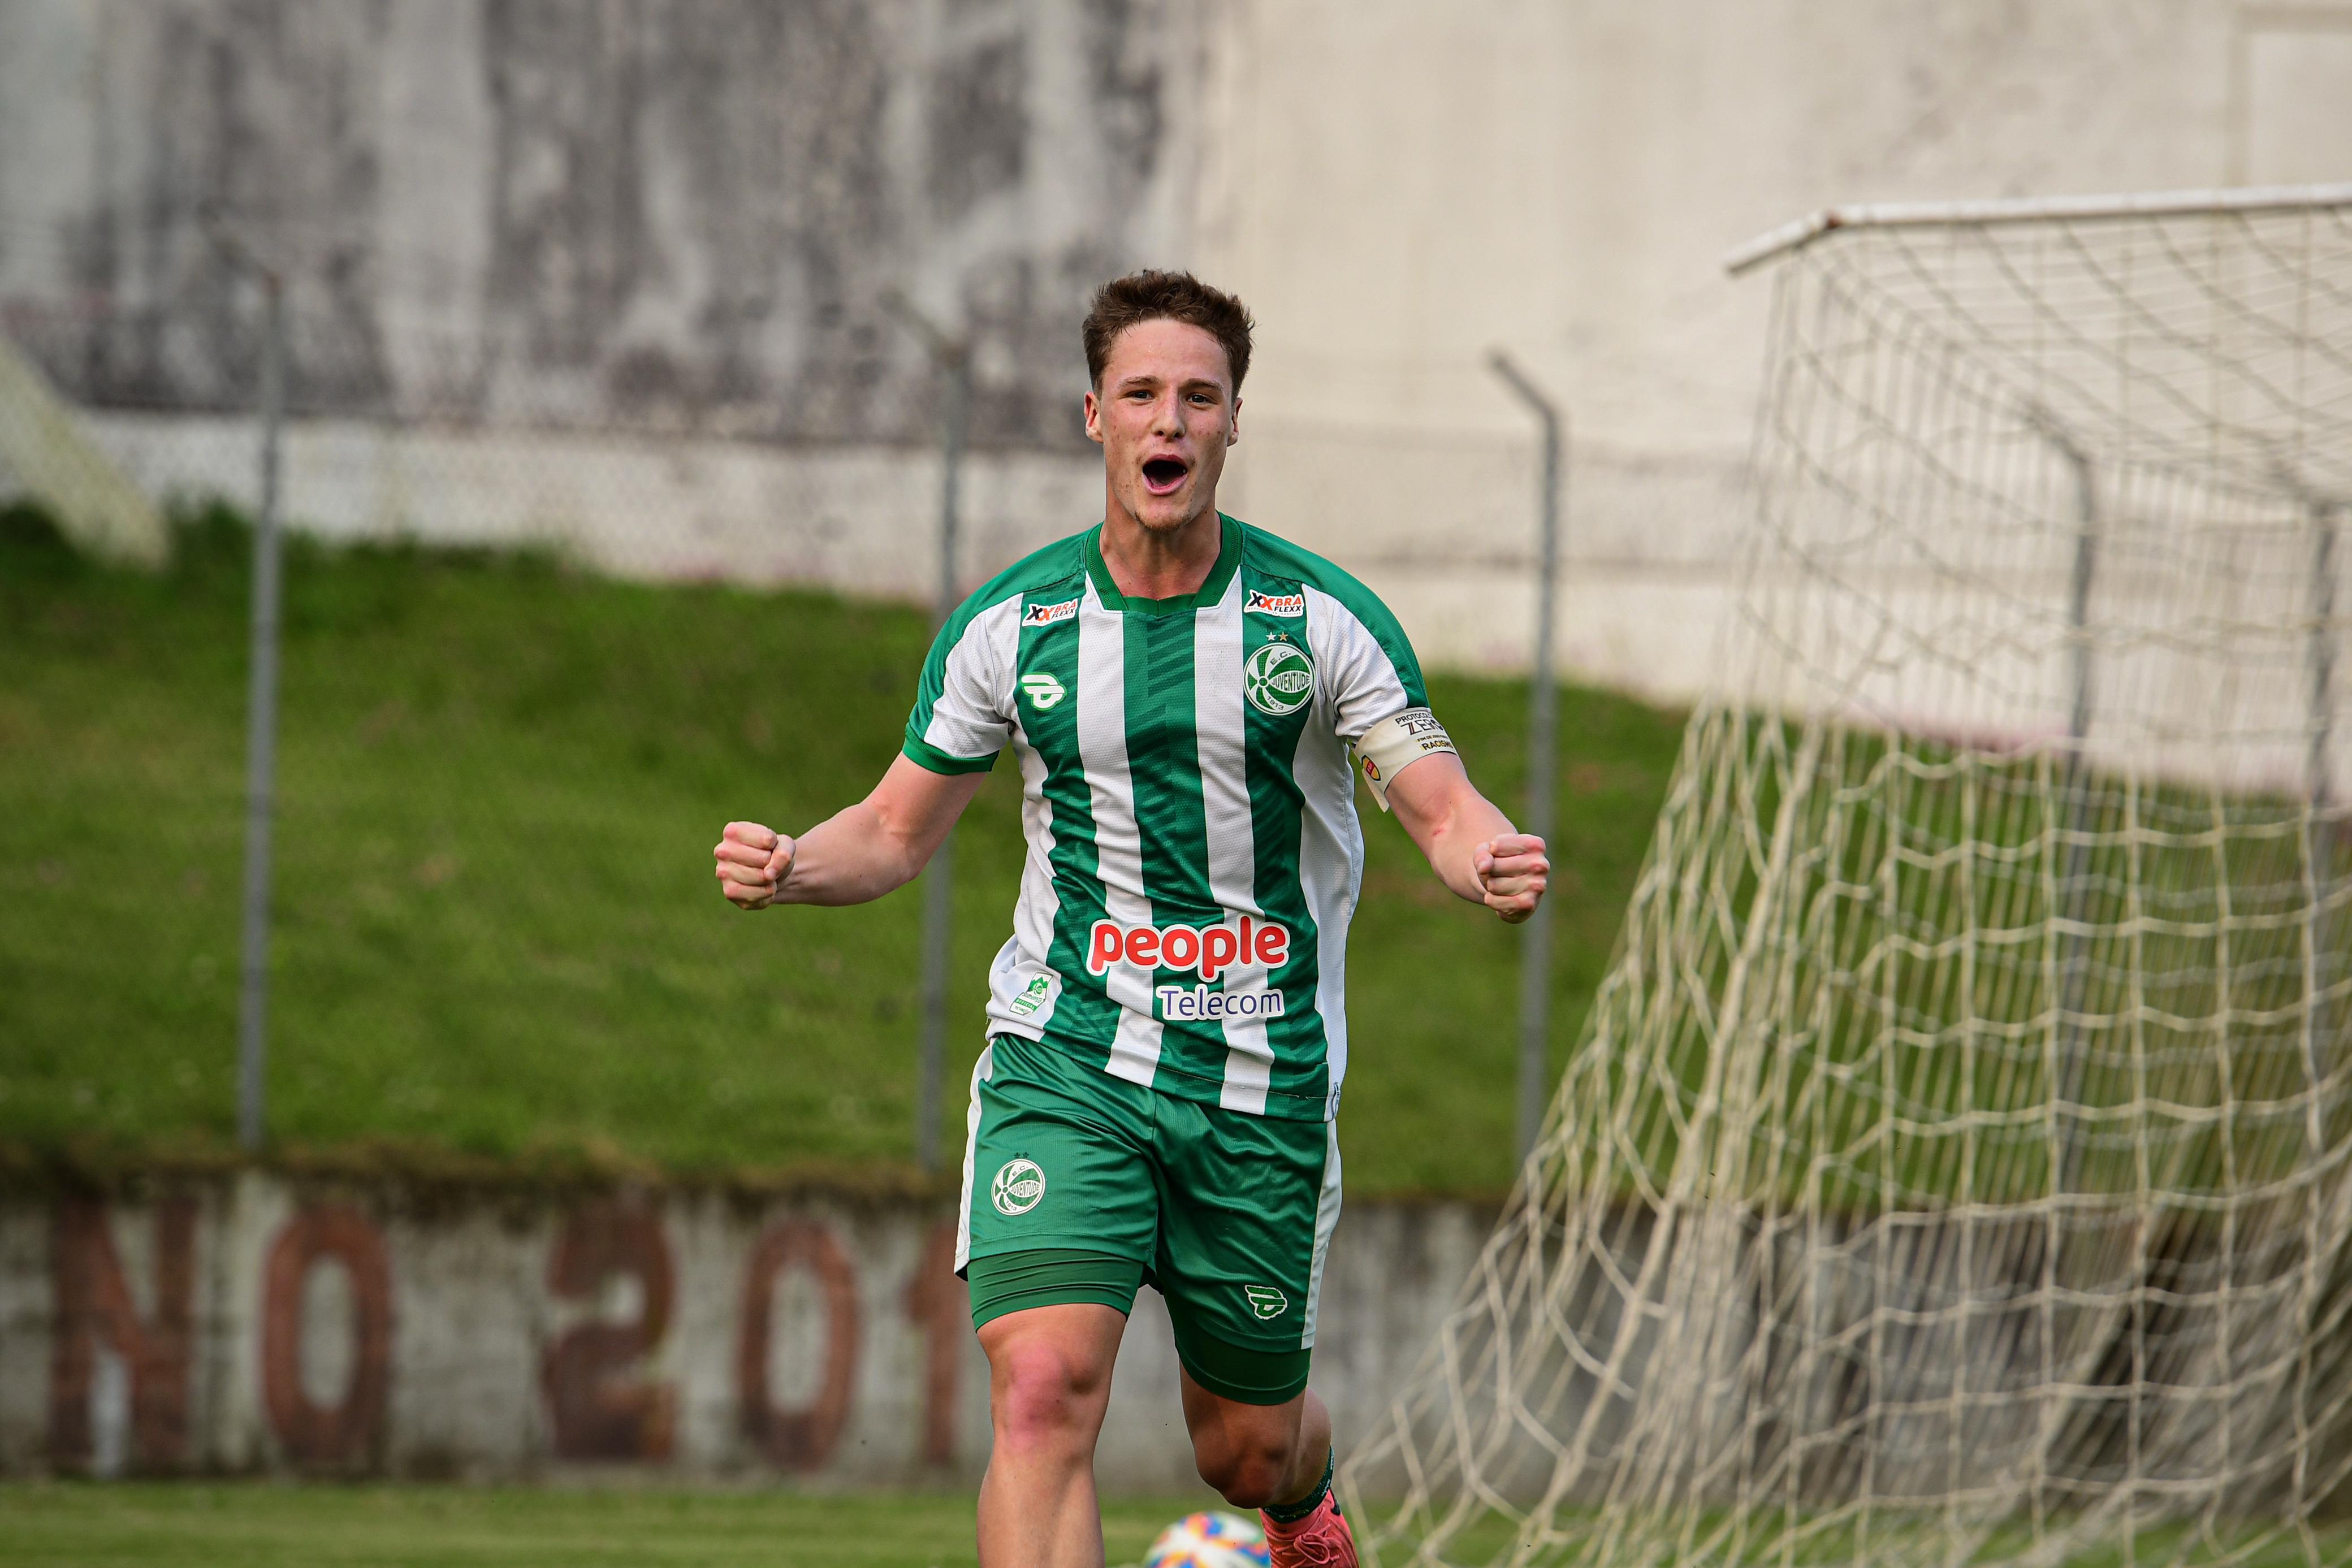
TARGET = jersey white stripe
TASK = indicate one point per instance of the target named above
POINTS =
(1327, 1220)
(1023, 958)
(1220, 724)
(1118, 845)
(976, 687)
(1330, 844)
(1351, 667)
(984, 1071)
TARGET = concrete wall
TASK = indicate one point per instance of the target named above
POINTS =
(682, 216)
(1395, 187)
(292, 1327)
(687, 211)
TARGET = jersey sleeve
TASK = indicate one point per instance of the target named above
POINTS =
(964, 706)
(1366, 666)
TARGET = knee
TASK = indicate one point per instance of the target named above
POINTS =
(1247, 1470)
(1045, 1399)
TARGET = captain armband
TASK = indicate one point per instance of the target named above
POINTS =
(1391, 745)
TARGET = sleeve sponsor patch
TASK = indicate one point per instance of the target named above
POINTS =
(1395, 744)
(1290, 604)
(1046, 614)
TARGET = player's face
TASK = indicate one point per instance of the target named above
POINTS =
(1164, 414)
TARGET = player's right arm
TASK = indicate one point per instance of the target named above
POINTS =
(961, 719)
(875, 847)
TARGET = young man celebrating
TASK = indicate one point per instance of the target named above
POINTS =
(1167, 1031)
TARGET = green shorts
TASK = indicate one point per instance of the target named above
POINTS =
(1077, 1186)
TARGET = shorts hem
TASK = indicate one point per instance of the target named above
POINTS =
(1245, 1373)
(1094, 1244)
(982, 1316)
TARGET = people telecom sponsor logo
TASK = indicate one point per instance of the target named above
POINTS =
(1258, 603)
(1198, 1004)
(1210, 950)
(1042, 689)
(1046, 614)
(1278, 678)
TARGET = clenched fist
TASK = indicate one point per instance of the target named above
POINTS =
(753, 862)
(1513, 871)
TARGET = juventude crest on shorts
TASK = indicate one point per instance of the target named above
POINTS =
(1019, 1188)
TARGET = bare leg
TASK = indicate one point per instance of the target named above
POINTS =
(1258, 1454)
(1049, 1383)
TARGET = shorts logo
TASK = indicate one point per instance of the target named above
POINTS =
(1042, 689)
(1033, 998)
(1020, 1187)
(1046, 614)
(1278, 679)
(1266, 1301)
(1291, 605)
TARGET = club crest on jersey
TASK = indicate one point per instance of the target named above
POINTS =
(1046, 614)
(1042, 689)
(1278, 679)
(1290, 604)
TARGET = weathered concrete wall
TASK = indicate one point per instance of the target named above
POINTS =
(683, 215)
(262, 1324)
(684, 210)
(1395, 187)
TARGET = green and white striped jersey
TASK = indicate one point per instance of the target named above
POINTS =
(1190, 807)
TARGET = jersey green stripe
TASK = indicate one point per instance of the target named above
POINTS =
(1163, 764)
(1085, 1016)
(1276, 819)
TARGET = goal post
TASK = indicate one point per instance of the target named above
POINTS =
(1957, 1163)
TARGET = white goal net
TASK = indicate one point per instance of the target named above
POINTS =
(1953, 1169)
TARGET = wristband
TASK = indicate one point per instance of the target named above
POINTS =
(1389, 746)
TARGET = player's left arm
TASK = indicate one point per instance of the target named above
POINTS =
(1468, 841)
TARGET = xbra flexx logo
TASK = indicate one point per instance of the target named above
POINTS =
(1278, 679)
(1266, 1301)
(1042, 689)
(1292, 605)
(1048, 614)
(1019, 1188)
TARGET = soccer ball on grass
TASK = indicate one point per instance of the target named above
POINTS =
(1209, 1541)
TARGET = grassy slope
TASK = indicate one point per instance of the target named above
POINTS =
(495, 923)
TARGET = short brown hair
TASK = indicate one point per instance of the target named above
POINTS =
(1152, 296)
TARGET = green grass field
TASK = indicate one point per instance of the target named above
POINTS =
(263, 1526)
(497, 933)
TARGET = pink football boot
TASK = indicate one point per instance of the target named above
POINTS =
(1321, 1540)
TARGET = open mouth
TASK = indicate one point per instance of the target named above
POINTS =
(1161, 476)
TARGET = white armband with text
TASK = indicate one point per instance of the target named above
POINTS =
(1391, 745)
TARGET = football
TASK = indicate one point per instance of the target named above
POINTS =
(1209, 1541)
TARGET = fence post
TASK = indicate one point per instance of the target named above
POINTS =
(1534, 936)
(261, 736)
(952, 355)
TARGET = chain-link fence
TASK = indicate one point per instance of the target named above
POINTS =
(529, 669)
(540, 637)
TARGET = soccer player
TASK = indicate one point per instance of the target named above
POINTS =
(1166, 1026)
